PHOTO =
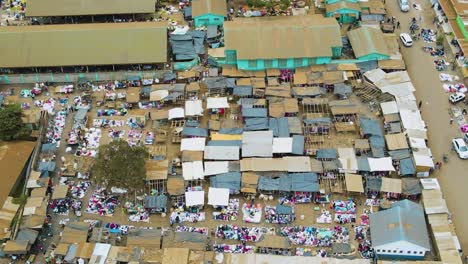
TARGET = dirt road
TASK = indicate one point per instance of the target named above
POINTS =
(435, 111)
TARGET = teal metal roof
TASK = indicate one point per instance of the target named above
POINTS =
(404, 221)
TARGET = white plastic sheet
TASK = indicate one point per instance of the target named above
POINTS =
(192, 144)
(218, 196)
(195, 198)
(175, 113)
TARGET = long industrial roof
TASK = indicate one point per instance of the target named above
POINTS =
(83, 44)
(282, 37)
(45, 8)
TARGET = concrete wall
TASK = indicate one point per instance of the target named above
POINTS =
(73, 77)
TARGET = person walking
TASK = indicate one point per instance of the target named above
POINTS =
(398, 24)
(451, 120)
(420, 104)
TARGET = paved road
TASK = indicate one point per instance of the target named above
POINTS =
(453, 176)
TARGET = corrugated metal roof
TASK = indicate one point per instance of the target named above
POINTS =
(403, 222)
(367, 40)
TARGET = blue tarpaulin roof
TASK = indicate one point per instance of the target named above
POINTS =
(266, 183)
(195, 132)
(231, 131)
(230, 82)
(254, 112)
(377, 144)
(304, 182)
(49, 147)
(370, 127)
(187, 12)
(229, 143)
(256, 124)
(407, 167)
(373, 184)
(298, 145)
(230, 180)
(363, 164)
(327, 154)
(47, 166)
(242, 90)
(279, 126)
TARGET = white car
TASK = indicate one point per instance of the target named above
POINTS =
(460, 147)
(456, 97)
(406, 39)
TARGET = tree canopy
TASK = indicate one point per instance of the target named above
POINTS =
(11, 124)
(120, 165)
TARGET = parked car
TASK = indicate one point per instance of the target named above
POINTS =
(456, 97)
(404, 5)
(460, 147)
(406, 39)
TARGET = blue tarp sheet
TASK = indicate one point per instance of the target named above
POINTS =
(230, 82)
(231, 131)
(49, 147)
(304, 182)
(230, 180)
(327, 154)
(377, 144)
(187, 12)
(254, 112)
(229, 143)
(256, 124)
(198, 40)
(47, 166)
(373, 184)
(195, 132)
(407, 167)
(370, 127)
(266, 183)
(298, 145)
(279, 126)
(242, 90)
(363, 164)
(283, 209)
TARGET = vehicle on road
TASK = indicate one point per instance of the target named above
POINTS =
(404, 5)
(406, 39)
(456, 97)
(460, 147)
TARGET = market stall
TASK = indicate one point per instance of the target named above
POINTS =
(279, 214)
(275, 245)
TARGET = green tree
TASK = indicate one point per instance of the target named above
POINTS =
(11, 124)
(285, 4)
(119, 165)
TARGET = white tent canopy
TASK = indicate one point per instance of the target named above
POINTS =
(423, 160)
(218, 196)
(175, 113)
(380, 164)
(257, 144)
(216, 167)
(192, 144)
(417, 143)
(158, 95)
(412, 119)
(192, 170)
(101, 251)
(430, 184)
(195, 198)
(221, 153)
(389, 108)
(193, 108)
(217, 102)
(282, 145)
